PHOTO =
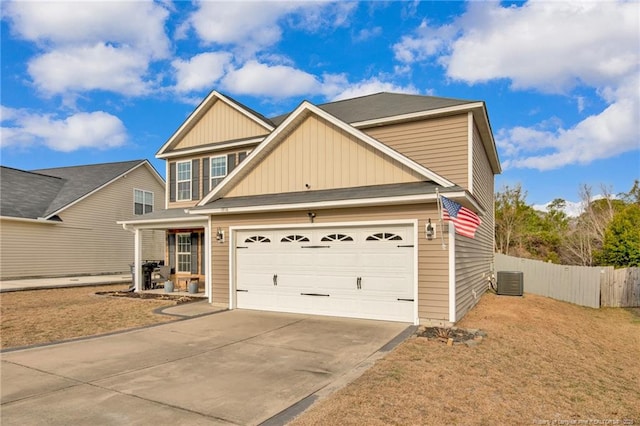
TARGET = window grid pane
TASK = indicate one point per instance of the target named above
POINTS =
(218, 167)
(184, 253)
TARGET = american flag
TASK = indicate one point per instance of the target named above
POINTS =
(464, 219)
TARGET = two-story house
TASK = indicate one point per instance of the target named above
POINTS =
(331, 209)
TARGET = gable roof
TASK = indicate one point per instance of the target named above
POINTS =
(44, 193)
(382, 105)
(26, 194)
(201, 110)
(293, 120)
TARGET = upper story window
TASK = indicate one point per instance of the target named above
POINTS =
(142, 201)
(218, 169)
(184, 180)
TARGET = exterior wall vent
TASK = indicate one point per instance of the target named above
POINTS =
(510, 283)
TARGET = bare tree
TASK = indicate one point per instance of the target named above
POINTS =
(587, 232)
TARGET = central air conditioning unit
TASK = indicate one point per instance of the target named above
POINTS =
(510, 283)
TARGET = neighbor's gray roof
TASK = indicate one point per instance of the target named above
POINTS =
(311, 196)
(25, 194)
(381, 105)
(41, 193)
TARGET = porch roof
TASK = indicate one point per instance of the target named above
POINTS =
(165, 218)
(402, 193)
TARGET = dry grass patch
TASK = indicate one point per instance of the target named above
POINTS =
(44, 316)
(543, 361)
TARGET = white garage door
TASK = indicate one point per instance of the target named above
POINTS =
(351, 272)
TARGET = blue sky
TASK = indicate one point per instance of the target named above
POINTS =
(89, 82)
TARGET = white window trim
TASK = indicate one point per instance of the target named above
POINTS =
(178, 181)
(178, 252)
(144, 192)
(211, 175)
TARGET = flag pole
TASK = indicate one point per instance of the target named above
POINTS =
(439, 203)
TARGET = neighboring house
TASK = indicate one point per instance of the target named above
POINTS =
(324, 210)
(62, 221)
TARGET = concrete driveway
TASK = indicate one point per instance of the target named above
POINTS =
(236, 367)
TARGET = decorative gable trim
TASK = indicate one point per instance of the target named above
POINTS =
(294, 119)
(195, 116)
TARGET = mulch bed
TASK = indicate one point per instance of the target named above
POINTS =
(452, 335)
(155, 296)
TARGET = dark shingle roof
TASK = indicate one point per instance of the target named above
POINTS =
(380, 105)
(326, 195)
(40, 193)
(25, 194)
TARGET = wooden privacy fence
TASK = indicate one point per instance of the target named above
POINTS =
(591, 286)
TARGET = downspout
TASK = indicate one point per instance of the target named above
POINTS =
(452, 273)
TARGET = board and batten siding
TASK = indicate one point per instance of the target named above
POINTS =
(433, 273)
(475, 256)
(323, 156)
(439, 144)
(88, 241)
(218, 124)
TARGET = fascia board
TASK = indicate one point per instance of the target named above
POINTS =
(207, 149)
(363, 202)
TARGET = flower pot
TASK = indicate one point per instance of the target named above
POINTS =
(168, 286)
(193, 287)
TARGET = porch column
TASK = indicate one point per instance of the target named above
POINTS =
(208, 281)
(137, 260)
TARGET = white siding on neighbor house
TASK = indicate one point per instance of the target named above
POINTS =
(474, 256)
(433, 264)
(88, 241)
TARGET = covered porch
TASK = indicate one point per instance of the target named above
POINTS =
(187, 244)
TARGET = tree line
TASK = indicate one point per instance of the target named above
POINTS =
(607, 231)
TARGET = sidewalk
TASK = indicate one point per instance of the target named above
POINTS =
(80, 281)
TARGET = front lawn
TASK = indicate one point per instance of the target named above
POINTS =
(543, 362)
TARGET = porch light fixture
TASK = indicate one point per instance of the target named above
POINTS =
(312, 216)
(430, 231)
(220, 236)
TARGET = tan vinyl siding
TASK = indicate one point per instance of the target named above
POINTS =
(439, 144)
(433, 294)
(88, 241)
(474, 256)
(220, 123)
(225, 152)
(323, 156)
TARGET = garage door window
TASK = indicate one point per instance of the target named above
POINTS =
(294, 238)
(337, 237)
(257, 239)
(384, 236)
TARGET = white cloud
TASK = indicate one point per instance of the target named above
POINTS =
(21, 128)
(366, 87)
(137, 24)
(552, 47)
(91, 45)
(85, 68)
(274, 81)
(201, 71)
(252, 26)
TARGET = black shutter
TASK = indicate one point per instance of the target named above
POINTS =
(172, 182)
(202, 260)
(231, 162)
(205, 176)
(195, 179)
(241, 156)
(194, 253)
(171, 242)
